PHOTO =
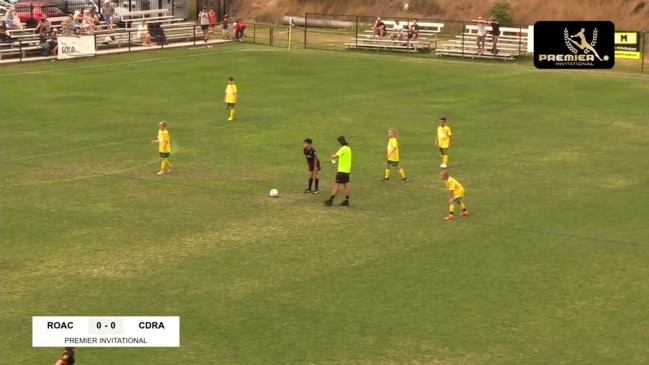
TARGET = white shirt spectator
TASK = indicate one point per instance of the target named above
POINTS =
(398, 28)
(482, 29)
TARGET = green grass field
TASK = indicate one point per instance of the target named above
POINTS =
(550, 268)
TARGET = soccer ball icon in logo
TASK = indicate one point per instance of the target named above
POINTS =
(406, 6)
(274, 193)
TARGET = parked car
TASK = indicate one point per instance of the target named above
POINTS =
(70, 6)
(30, 13)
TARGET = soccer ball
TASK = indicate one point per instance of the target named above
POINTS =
(406, 6)
(273, 193)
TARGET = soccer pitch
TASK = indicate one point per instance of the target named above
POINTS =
(550, 268)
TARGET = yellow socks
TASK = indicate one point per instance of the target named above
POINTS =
(387, 173)
(163, 165)
(445, 159)
(463, 207)
(232, 113)
(402, 172)
(451, 209)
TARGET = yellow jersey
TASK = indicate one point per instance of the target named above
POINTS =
(455, 187)
(393, 149)
(444, 136)
(231, 94)
(164, 141)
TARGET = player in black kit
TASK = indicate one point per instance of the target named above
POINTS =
(313, 163)
(67, 358)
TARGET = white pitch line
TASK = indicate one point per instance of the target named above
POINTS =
(43, 182)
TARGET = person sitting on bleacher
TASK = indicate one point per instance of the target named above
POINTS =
(397, 31)
(4, 34)
(378, 29)
(413, 30)
(12, 21)
(143, 33)
(44, 24)
(54, 42)
(43, 41)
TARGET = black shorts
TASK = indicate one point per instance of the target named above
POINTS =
(342, 177)
(311, 167)
(205, 27)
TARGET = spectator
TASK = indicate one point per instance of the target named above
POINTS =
(143, 33)
(12, 21)
(43, 41)
(495, 34)
(413, 30)
(212, 21)
(4, 33)
(108, 11)
(88, 21)
(239, 27)
(54, 42)
(67, 26)
(226, 34)
(378, 29)
(397, 31)
(482, 34)
(204, 21)
(44, 24)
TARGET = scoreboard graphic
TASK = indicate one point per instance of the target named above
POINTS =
(106, 331)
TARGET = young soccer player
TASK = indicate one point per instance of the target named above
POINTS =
(457, 194)
(443, 140)
(230, 98)
(164, 147)
(313, 165)
(393, 156)
(344, 157)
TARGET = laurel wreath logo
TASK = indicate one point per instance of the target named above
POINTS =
(566, 37)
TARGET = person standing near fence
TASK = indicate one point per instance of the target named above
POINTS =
(212, 22)
(482, 34)
(204, 21)
(107, 11)
(226, 34)
(495, 34)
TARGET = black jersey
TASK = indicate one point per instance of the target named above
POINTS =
(311, 155)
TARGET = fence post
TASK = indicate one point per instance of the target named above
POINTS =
(271, 36)
(20, 49)
(356, 35)
(644, 50)
(254, 33)
(463, 39)
(306, 16)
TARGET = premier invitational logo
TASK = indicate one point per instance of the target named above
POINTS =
(574, 45)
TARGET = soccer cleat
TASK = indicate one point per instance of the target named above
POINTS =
(230, 119)
(307, 191)
(385, 179)
(345, 203)
(448, 217)
(465, 214)
(328, 202)
(443, 165)
(316, 191)
(404, 180)
(161, 172)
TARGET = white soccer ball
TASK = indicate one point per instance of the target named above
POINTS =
(406, 6)
(273, 193)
